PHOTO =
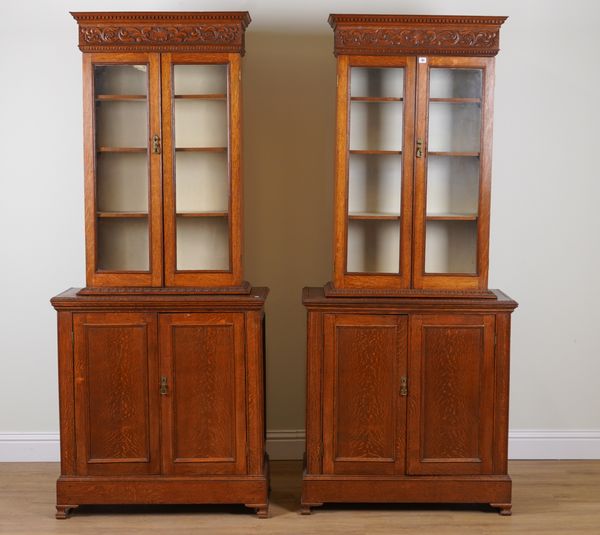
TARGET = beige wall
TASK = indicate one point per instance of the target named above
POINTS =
(289, 114)
(545, 250)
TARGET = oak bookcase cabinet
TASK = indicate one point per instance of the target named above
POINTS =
(408, 349)
(161, 356)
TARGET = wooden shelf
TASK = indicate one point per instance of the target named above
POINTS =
(457, 100)
(214, 96)
(457, 154)
(120, 97)
(375, 152)
(376, 99)
(202, 214)
(124, 215)
(201, 149)
(451, 217)
(372, 216)
(122, 149)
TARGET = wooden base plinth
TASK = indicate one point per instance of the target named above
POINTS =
(252, 491)
(493, 490)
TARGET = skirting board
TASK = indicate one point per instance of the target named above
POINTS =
(289, 444)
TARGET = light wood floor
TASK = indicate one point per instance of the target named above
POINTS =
(548, 497)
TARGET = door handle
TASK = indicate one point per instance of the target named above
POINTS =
(163, 385)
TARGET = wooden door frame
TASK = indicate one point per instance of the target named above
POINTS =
(331, 322)
(84, 464)
(342, 278)
(154, 276)
(238, 465)
(416, 464)
(434, 281)
(203, 278)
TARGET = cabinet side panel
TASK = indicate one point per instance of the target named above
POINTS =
(66, 393)
(314, 369)
(502, 392)
(255, 389)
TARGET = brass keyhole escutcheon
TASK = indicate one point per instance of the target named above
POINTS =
(156, 144)
(163, 385)
(419, 148)
(404, 385)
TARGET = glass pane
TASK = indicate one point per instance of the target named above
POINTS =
(452, 185)
(455, 83)
(373, 246)
(200, 79)
(370, 82)
(200, 123)
(454, 127)
(375, 183)
(121, 124)
(202, 243)
(202, 182)
(376, 126)
(120, 79)
(123, 244)
(451, 247)
(201, 176)
(122, 182)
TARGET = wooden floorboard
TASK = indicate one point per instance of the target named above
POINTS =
(548, 497)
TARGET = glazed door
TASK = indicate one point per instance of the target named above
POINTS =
(450, 394)
(452, 172)
(374, 170)
(202, 169)
(364, 405)
(203, 392)
(122, 143)
(116, 394)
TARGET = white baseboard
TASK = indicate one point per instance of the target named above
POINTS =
(29, 447)
(554, 444)
(285, 444)
(289, 444)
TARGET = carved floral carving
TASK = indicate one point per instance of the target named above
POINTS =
(160, 35)
(395, 40)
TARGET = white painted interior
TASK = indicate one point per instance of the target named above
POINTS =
(544, 247)
(123, 244)
(374, 246)
(451, 247)
(200, 79)
(201, 182)
(374, 184)
(202, 243)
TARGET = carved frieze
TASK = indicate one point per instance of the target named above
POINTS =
(402, 35)
(161, 32)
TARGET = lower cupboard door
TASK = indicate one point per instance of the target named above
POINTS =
(203, 393)
(116, 393)
(450, 394)
(363, 406)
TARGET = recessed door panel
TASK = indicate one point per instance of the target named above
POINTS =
(363, 407)
(451, 394)
(203, 374)
(116, 394)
